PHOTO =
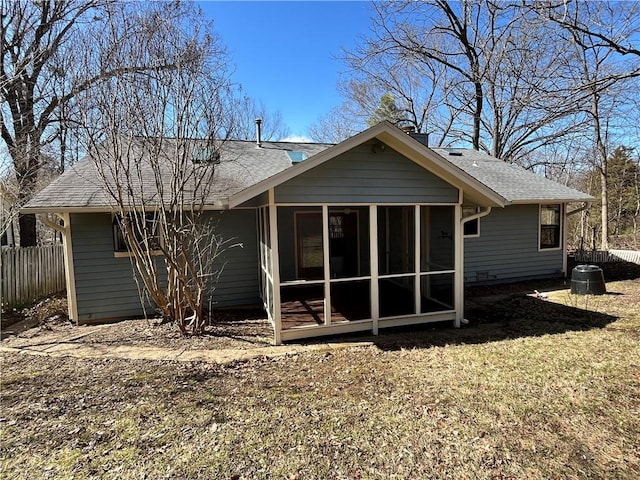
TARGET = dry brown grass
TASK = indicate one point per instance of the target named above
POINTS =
(549, 391)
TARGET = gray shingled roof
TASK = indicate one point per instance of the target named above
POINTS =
(243, 164)
(512, 182)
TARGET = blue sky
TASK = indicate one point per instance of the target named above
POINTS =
(285, 53)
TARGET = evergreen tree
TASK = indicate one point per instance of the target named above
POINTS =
(623, 185)
(388, 110)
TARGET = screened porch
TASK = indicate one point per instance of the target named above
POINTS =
(338, 268)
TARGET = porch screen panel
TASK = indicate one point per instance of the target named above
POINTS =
(437, 293)
(349, 242)
(266, 277)
(437, 258)
(300, 245)
(396, 240)
(436, 238)
(302, 305)
(396, 296)
(350, 301)
(396, 260)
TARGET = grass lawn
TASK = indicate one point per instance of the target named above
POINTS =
(526, 398)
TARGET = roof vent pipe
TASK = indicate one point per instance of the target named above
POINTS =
(258, 132)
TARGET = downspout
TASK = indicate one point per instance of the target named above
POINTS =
(482, 213)
(586, 206)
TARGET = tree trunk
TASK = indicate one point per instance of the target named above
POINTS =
(27, 176)
(604, 240)
(477, 115)
(27, 225)
(601, 149)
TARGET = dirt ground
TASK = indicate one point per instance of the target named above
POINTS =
(539, 386)
(511, 306)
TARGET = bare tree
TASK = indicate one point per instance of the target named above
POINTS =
(33, 35)
(155, 139)
(421, 90)
(41, 77)
(247, 110)
(477, 71)
(610, 25)
(335, 126)
(599, 34)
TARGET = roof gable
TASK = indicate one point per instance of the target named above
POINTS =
(402, 143)
(368, 173)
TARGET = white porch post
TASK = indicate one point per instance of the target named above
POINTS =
(275, 266)
(69, 271)
(459, 265)
(373, 255)
(327, 267)
(417, 260)
(563, 227)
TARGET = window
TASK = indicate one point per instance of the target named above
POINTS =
(146, 231)
(472, 227)
(550, 226)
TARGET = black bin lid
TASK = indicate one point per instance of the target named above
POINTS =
(587, 268)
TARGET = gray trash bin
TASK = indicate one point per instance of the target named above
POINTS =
(588, 280)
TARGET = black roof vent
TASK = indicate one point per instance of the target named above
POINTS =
(454, 152)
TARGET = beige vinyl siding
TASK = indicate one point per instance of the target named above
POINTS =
(358, 176)
(507, 248)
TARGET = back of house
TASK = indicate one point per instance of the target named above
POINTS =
(377, 231)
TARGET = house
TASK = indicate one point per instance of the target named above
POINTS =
(377, 231)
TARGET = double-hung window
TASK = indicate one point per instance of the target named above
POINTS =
(550, 226)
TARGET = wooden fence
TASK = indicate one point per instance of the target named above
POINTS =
(602, 256)
(27, 274)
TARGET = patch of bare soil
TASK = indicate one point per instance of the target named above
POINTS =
(543, 307)
(511, 310)
(52, 309)
(237, 329)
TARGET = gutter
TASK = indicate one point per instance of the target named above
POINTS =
(586, 206)
(480, 214)
(218, 205)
